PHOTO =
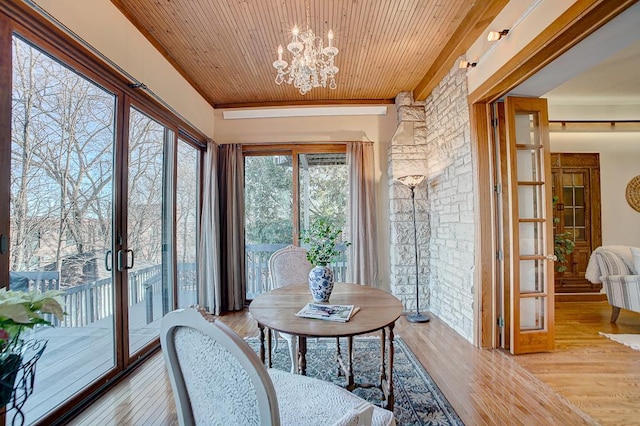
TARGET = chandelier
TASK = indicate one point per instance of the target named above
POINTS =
(312, 64)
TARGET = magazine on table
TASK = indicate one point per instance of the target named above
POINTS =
(340, 313)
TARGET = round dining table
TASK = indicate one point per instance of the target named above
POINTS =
(377, 311)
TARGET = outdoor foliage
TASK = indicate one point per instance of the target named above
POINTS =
(323, 239)
(268, 201)
(269, 197)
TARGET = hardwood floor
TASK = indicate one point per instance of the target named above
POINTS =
(587, 379)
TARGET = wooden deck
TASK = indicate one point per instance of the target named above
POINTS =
(588, 379)
(76, 356)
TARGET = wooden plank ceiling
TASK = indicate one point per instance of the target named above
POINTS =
(225, 48)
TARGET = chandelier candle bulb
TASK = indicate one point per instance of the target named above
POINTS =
(330, 36)
(280, 53)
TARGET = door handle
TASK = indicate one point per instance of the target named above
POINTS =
(552, 257)
(133, 259)
(119, 260)
(106, 260)
(125, 263)
(4, 244)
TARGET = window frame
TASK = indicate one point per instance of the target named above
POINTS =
(293, 149)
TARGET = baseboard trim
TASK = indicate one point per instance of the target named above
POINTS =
(580, 297)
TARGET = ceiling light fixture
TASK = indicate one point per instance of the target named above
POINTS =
(467, 64)
(312, 64)
(496, 35)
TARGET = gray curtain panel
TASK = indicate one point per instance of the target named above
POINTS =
(209, 295)
(362, 227)
(231, 194)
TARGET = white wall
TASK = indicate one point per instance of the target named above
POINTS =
(101, 25)
(326, 129)
(619, 163)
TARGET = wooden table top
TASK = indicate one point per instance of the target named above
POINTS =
(277, 310)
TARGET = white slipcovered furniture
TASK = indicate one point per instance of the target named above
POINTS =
(289, 266)
(217, 379)
(617, 268)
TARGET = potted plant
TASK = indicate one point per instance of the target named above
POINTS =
(323, 239)
(563, 243)
(19, 311)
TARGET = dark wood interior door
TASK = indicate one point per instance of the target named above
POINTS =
(576, 184)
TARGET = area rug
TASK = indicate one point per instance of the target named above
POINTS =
(418, 401)
(631, 340)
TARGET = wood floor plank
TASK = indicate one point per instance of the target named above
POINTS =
(587, 379)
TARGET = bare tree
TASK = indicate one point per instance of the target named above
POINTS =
(62, 156)
(145, 178)
(187, 202)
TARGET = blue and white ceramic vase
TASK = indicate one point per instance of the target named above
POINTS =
(321, 283)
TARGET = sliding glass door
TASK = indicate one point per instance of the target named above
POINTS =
(285, 192)
(146, 259)
(103, 204)
(61, 191)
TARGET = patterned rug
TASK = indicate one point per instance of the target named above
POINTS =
(418, 401)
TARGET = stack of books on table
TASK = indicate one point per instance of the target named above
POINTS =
(339, 313)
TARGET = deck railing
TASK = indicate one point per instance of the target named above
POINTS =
(87, 303)
(257, 266)
(91, 302)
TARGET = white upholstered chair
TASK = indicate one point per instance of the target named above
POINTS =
(289, 266)
(217, 379)
(618, 269)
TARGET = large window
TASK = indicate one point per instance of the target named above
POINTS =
(284, 193)
(103, 202)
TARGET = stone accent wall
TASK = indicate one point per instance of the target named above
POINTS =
(407, 154)
(451, 203)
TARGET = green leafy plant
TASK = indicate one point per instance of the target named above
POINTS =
(20, 310)
(563, 243)
(323, 239)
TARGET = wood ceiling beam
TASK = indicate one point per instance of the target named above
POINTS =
(481, 14)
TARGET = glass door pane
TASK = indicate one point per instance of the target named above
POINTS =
(147, 258)
(574, 190)
(62, 155)
(531, 215)
(323, 191)
(268, 196)
(187, 202)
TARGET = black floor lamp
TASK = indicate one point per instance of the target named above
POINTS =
(412, 181)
